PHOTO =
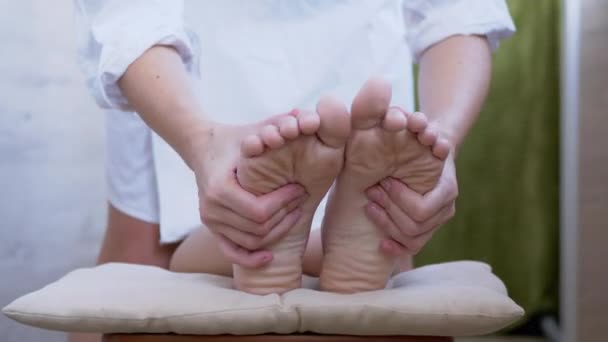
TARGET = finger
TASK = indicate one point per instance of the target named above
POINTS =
(240, 256)
(264, 229)
(220, 214)
(415, 245)
(407, 225)
(254, 242)
(242, 239)
(412, 229)
(418, 207)
(380, 218)
(223, 215)
(257, 208)
(282, 228)
(393, 211)
(443, 216)
(399, 244)
(393, 248)
(410, 246)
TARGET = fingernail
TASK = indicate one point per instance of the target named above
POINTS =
(374, 194)
(374, 208)
(299, 190)
(386, 184)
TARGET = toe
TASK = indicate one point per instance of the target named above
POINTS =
(371, 104)
(394, 120)
(441, 149)
(308, 122)
(334, 129)
(252, 146)
(428, 136)
(271, 137)
(288, 127)
(417, 122)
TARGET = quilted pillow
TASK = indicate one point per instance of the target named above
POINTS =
(452, 299)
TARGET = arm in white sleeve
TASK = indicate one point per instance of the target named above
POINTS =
(431, 21)
(113, 33)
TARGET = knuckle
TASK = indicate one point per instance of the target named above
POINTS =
(415, 245)
(383, 221)
(420, 212)
(410, 230)
(203, 203)
(213, 196)
(251, 243)
(386, 203)
(205, 213)
(259, 213)
(398, 195)
(265, 228)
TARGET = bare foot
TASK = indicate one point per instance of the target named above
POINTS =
(384, 143)
(304, 148)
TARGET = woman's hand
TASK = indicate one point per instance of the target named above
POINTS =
(410, 219)
(451, 94)
(161, 91)
(242, 222)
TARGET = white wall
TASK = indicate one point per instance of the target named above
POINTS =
(52, 206)
(592, 254)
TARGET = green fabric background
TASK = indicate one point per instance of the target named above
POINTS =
(507, 212)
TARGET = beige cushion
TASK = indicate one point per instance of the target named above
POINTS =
(451, 299)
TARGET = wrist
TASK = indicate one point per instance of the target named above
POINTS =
(195, 142)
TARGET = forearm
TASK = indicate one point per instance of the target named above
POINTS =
(453, 82)
(159, 88)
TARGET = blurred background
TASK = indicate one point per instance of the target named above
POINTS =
(533, 194)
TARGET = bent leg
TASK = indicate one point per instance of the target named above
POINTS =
(199, 253)
(134, 241)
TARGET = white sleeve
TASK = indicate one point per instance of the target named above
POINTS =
(430, 21)
(114, 33)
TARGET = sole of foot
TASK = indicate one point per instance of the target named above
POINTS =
(305, 148)
(385, 142)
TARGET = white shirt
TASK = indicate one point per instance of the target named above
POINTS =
(253, 59)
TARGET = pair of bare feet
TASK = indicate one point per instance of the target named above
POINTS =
(356, 151)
